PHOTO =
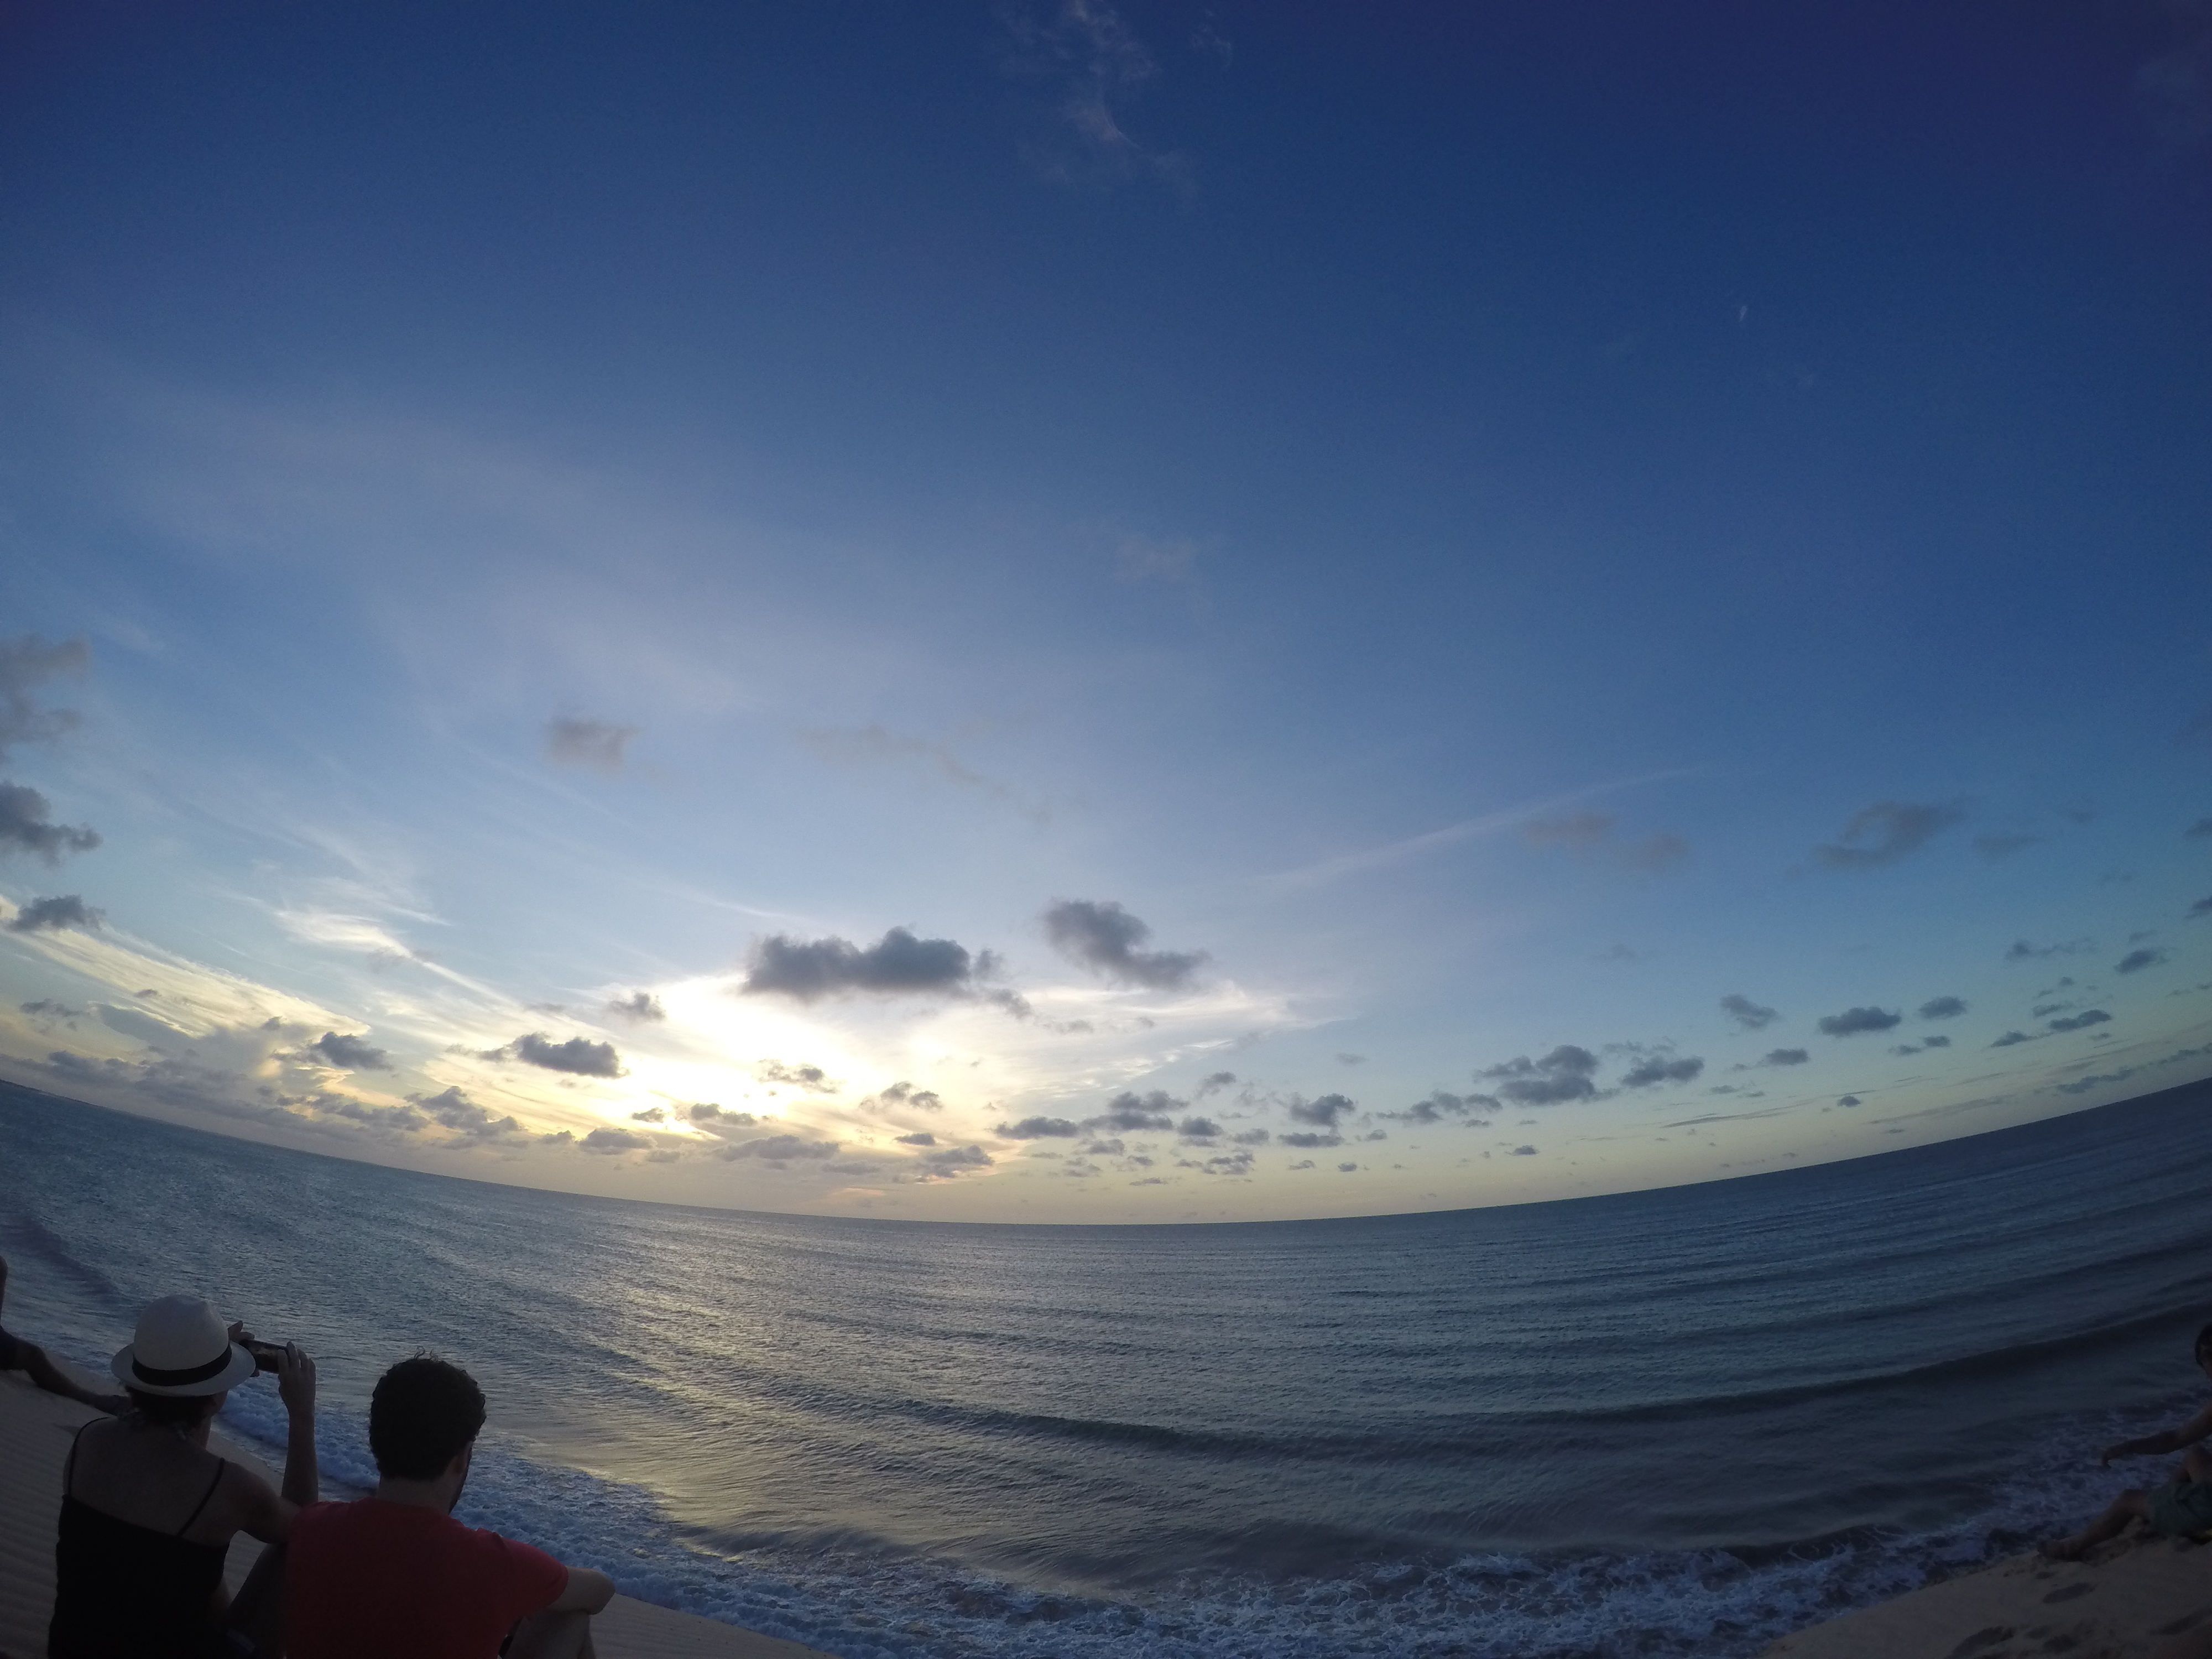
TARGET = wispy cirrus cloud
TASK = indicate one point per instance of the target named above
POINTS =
(1885, 831)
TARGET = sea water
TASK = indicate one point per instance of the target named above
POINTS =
(1681, 1422)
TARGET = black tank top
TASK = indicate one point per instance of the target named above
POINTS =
(124, 1591)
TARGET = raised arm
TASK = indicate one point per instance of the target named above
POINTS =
(295, 1387)
(2166, 1440)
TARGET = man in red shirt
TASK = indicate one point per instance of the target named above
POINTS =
(394, 1573)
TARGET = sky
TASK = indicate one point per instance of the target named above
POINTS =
(1077, 611)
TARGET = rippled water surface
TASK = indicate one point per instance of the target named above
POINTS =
(1667, 1423)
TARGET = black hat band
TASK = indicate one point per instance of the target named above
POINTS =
(160, 1379)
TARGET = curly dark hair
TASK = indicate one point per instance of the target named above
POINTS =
(423, 1411)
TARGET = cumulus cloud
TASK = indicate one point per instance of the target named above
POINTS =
(903, 1094)
(949, 1162)
(1942, 1008)
(571, 740)
(1785, 1057)
(1327, 1110)
(2023, 951)
(919, 1138)
(2082, 1021)
(609, 1141)
(1198, 1129)
(2202, 908)
(1213, 1083)
(1127, 1112)
(579, 1056)
(1524, 1151)
(1442, 1105)
(1101, 936)
(53, 913)
(2011, 1037)
(897, 965)
(709, 1115)
(1566, 1073)
(1657, 1069)
(812, 1079)
(1853, 1021)
(2136, 961)
(1310, 1137)
(1847, 1100)
(2200, 830)
(1037, 1128)
(650, 1114)
(639, 1008)
(1885, 831)
(342, 1049)
(778, 1148)
(1747, 1013)
(454, 1108)
(26, 825)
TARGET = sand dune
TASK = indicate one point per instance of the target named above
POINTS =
(34, 1436)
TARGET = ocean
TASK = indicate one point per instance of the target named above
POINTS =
(1682, 1422)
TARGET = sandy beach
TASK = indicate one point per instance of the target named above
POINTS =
(2121, 1603)
(34, 1436)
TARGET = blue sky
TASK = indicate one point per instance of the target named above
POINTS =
(1400, 604)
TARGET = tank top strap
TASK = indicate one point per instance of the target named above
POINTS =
(221, 1464)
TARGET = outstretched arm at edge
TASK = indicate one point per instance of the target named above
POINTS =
(589, 1590)
(2166, 1440)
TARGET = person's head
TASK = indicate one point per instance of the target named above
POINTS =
(180, 1362)
(425, 1412)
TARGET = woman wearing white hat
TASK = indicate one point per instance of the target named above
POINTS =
(149, 1512)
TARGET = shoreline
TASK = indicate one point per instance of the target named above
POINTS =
(36, 1430)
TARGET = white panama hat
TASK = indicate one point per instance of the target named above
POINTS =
(181, 1347)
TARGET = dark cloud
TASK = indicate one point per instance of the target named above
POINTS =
(573, 741)
(650, 1114)
(812, 1079)
(897, 965)
(66, 911)
(1198, 1129)
(1101, 936)
(1442, 1104)
(1853, 1021)
(919, 1138)
(1347, 1169)
(2202, 908)
(2010, 1038)
(1214, 1084)
(1785, 1057)
(2082, 1021)
(1648, 1073)
(1936, 1042)
(1885, 831)
(1747, 1013)
(578, 1055)
(1127, 1112)
(341, 1049)
(1566, 1073)
(778, 1148)
(1038, 1128)
(457, 1111)
(2082, 1086)
(1308, 1139)
(2003, 843)
(2199, 830)
(1847, 1100)
(639, 1007)
(26, 825)
(1251, 1137)
(903, 1094)
(27, 662)
(611, 1141)
(1326, 1111)
(945, 1165)
(2022, 950)
(1350, 1059)
(2136, 961)
(1524, 1151)
(711, 1116)
(1104, 1149)
(44, 1007)
(1942, 1008)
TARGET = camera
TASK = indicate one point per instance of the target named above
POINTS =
(266, 1355)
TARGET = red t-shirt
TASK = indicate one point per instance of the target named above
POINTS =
(372, 1579)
